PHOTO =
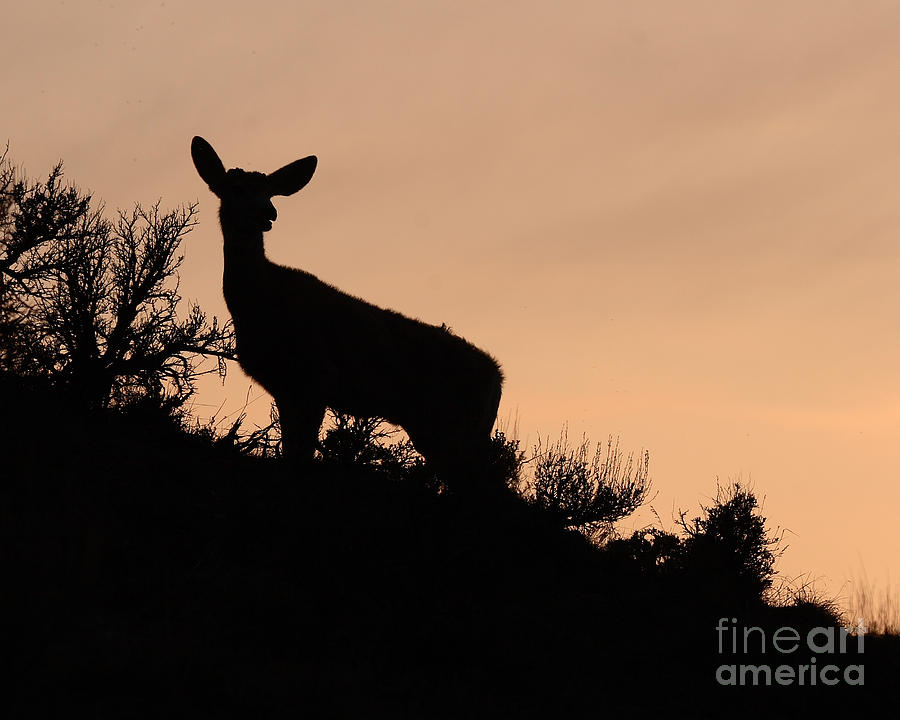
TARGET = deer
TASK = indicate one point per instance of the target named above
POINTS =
(312, 346)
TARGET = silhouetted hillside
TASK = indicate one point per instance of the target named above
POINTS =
(149, 572)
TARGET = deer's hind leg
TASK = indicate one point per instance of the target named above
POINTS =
(459, 457)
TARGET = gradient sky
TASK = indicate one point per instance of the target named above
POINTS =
(672, 222)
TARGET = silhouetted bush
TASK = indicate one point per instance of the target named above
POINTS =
(91, 303)
(589, 491)
(367, 442)
(726, 554)
(506, 460)
(375, 444)
(730, 542)
(649, 552)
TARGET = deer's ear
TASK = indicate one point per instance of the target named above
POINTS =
(291, 178)
(207, 162)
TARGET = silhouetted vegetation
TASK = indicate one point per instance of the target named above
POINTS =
(589, 491)
(147, 569)
(727, 552)
(154, 568)
(90, 303)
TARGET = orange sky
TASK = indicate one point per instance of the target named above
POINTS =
(673, 222)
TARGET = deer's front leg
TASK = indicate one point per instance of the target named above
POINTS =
(300, 429)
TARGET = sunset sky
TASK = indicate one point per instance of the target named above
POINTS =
(676, 223)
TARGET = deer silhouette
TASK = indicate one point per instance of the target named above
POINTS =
(312, 346)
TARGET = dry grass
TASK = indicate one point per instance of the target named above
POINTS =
(877, 605)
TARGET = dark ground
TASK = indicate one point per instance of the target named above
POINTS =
(148, 573)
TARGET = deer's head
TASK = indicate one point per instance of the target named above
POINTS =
(247, 196)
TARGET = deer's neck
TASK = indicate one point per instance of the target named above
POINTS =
(243, 249)
(240, 242)
(245, 264)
